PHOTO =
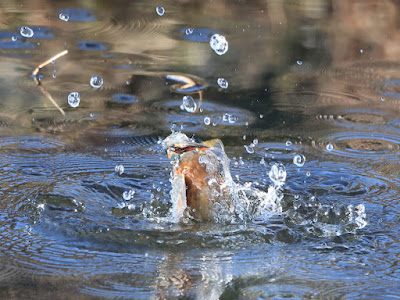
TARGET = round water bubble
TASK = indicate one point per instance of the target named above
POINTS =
(255, 141)
(223, 83)
(299, 160)
(96, 81)
(299, 62)
(278, 174)
(189, 31)
(219, 44)
(13, 38)
(128, 195)
(249, 149)
(207, 121)
(63, 17)
(160, 10)
(119, 169)
(329, 147)
(189, 104)
(232, 119)
(288, 143)
(26, 31)
(73, 99)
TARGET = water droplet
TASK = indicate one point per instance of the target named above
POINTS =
(219, 44)
(73, 99)
(288, 143)
(244, 137)
(160, 10)
(13, 38)
(91, 115)
(299, 62)
(26, 32)
(262, 161)
(361, 51)
(255, 141)
(188, 104)
(54, 74)
(225, 117)
(128, 195)
(207, 121)
(329, 147)
(128, 82)
(382, 99)
(232, 119)
(261, 116)
(96, 81)
(299, 160)
(189, 31)
(278, 174)
(308, 174)
(249, 149)
(63, 17)
(223, 83)
(119, 169)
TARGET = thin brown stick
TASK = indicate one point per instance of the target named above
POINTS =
(43, 64)
(48, 96)
(36, 71)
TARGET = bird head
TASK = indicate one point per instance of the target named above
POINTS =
(178, 143)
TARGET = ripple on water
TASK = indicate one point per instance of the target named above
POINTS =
(362, 145)
(30, 147)
(389, 88)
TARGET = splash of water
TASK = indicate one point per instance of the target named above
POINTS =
(232, 202)
(229, 202)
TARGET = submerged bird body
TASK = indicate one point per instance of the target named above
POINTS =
(200, 177)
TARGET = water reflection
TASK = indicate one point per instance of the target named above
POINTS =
(313, 73)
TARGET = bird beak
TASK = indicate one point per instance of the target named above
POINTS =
(179, 149)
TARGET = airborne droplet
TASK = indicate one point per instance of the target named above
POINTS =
(160, 10)
(73, 99)
(188, 104)
(63, 17)
(223, 83)
(278, 174)
(96, 81)
(299, 160)
(219, 44)
(119, 169)
(26, 32)
(329, 147)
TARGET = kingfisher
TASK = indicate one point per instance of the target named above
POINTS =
(201, 181)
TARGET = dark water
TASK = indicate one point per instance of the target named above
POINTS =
(316, 78)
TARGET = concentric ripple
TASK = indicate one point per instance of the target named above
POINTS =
(30, 147)
(362, 145)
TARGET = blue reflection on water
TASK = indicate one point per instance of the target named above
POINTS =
(91, 46)
(124, 98)
(79, 15)
(201, 35)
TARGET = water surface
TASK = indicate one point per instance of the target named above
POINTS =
(316, 78)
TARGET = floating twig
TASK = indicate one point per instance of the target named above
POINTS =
(43, 64)
(35, 73)
(187, 84)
